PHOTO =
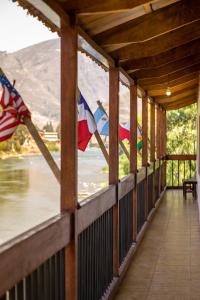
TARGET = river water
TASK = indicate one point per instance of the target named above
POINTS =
(29, 193)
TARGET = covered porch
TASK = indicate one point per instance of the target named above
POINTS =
(166, 264)
(84, 251)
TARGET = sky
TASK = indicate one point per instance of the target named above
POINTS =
(19, 30)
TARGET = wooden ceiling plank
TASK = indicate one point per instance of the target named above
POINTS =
(179, 96)
(188, 49)
(181, 100)
(159, 44)
(174, 89)
(152, 25)
(167, 69)
(85, 7)
(165, 79)
(182, 104)
(172, 83)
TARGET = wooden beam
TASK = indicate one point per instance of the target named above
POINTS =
(152, 132)
(157, 132)
(151, 25)
(133, 128)
(182, 103)
(133, 150)
(174, 89)
(158, 44)
(181, 157)
(178, 96)
(173, 83)
(177, 53)
(165, 133)
(69, 48)
(98, 7)
(114, 156)
(167, 68)
(173, 76)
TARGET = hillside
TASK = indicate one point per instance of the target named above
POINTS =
(37, 73)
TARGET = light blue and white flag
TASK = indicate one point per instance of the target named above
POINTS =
(102, 122)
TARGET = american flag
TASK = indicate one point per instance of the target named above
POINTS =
(13, 109)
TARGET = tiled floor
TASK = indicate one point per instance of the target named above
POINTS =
(167, 264)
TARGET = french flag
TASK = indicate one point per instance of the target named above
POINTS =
(86, 124)
(124, 131)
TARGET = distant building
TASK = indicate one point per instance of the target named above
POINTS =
(50, 136)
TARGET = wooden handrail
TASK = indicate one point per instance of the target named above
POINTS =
(22, 255)
(181, 157)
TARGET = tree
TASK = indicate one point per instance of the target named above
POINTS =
(48, 127)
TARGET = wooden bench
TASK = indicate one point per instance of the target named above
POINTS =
(189, 186)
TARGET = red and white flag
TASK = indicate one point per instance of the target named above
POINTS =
(86, 124)
(124, 131)
(13, 109)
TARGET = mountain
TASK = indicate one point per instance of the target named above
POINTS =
(36, 70)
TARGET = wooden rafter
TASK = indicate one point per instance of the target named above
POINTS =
(159, 44)
(98, 6)
(167, 69)
(173, 83)
(174, 89)
(177, 96)
(179, 104)
(172, 76)
(152, 25)
(188, 49)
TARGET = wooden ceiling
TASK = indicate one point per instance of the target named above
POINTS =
(156, 42)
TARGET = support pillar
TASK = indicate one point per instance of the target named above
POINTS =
(69, 46)
(114, 156)
(152, 147)
(144, 147)
(133, 150)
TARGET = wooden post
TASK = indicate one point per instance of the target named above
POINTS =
(144, 146)
(157, 132)
(152, 148)
(144, 129)
(133, 150)
(120, 142)
(102, 146)
(158, 142)
(69, 46)
(114, 156)
(152, 132)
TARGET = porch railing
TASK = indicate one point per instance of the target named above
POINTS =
(33, 265)
(180, 167)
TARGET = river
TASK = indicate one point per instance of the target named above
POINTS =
(29, 193)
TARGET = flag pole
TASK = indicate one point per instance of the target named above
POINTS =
(43, 148)
(120, 142)
(41, 145)
(98, 137)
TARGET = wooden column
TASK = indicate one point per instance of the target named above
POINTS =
(69, 144)
(152, 148)
(165, 133)
(144, 146)
(152, 132)
(133, 150)
(157, 132)
(114, 156)
(144, 130)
